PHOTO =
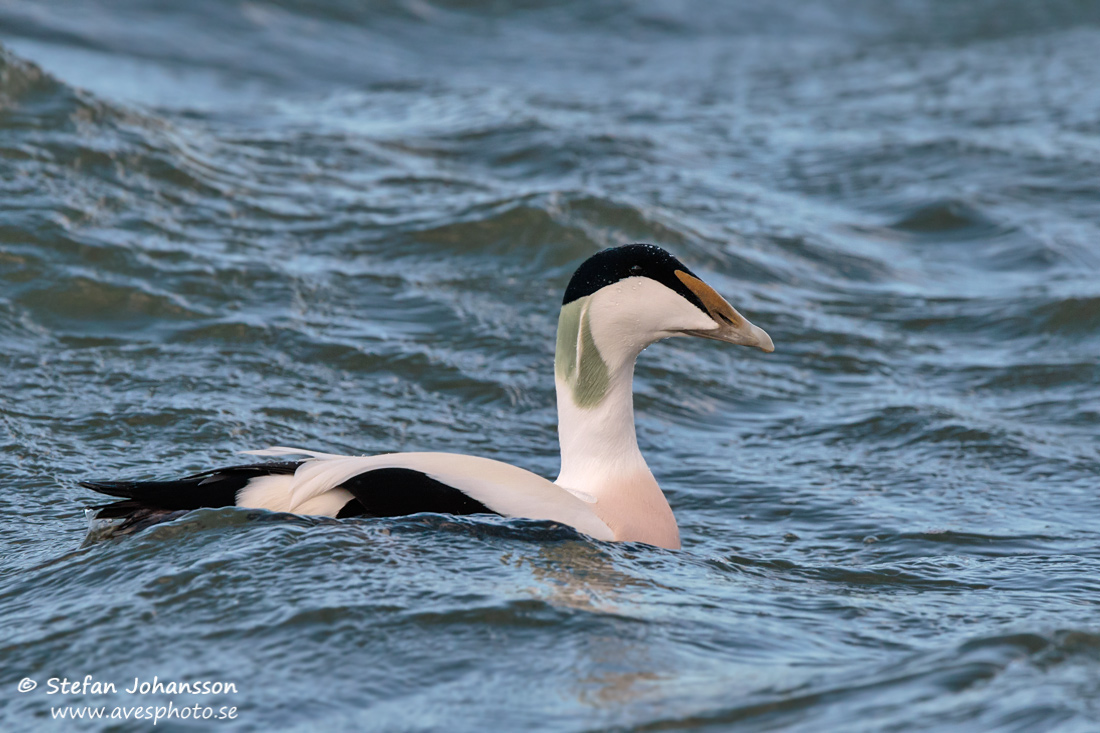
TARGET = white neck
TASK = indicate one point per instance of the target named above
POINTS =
(598, 442)
(599, 446)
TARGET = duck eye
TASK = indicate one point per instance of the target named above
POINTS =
(635, 269)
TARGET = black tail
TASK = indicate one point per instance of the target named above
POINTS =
(208, 489)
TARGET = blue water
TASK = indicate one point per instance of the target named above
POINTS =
(347, 226)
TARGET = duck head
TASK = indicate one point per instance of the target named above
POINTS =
(621, 300)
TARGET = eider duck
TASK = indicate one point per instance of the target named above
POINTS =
(618, 302)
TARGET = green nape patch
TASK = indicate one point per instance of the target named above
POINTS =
(577, 361)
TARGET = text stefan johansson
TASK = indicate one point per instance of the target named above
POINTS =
(92, 686)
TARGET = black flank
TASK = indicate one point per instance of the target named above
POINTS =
(395, 492)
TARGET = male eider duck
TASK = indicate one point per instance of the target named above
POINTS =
(618, 302)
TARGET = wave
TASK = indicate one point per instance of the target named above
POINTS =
(931, 688)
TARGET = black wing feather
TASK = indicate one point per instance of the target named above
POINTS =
(214, 488)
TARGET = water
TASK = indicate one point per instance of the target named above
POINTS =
(347, 226)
